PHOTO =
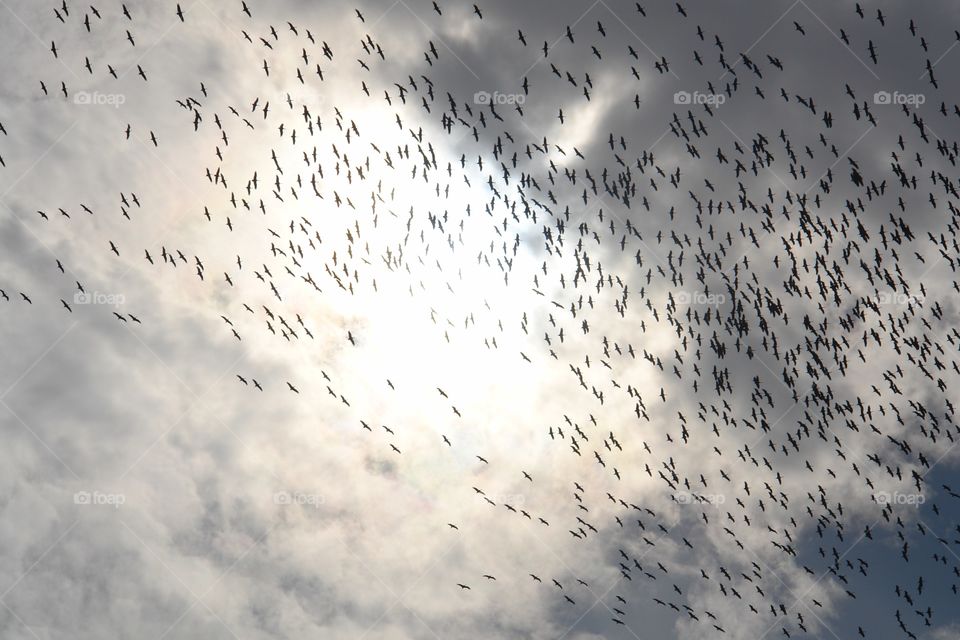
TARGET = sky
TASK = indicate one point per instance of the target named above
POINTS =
(404, 320)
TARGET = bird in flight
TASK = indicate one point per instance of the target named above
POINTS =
(692, 269)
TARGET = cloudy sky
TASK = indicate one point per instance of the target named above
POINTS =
(403, 320)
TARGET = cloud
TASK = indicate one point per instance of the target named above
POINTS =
(467, 250)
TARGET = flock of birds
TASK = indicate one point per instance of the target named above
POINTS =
(775, 286)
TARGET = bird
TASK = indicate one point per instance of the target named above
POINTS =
(738, 335)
